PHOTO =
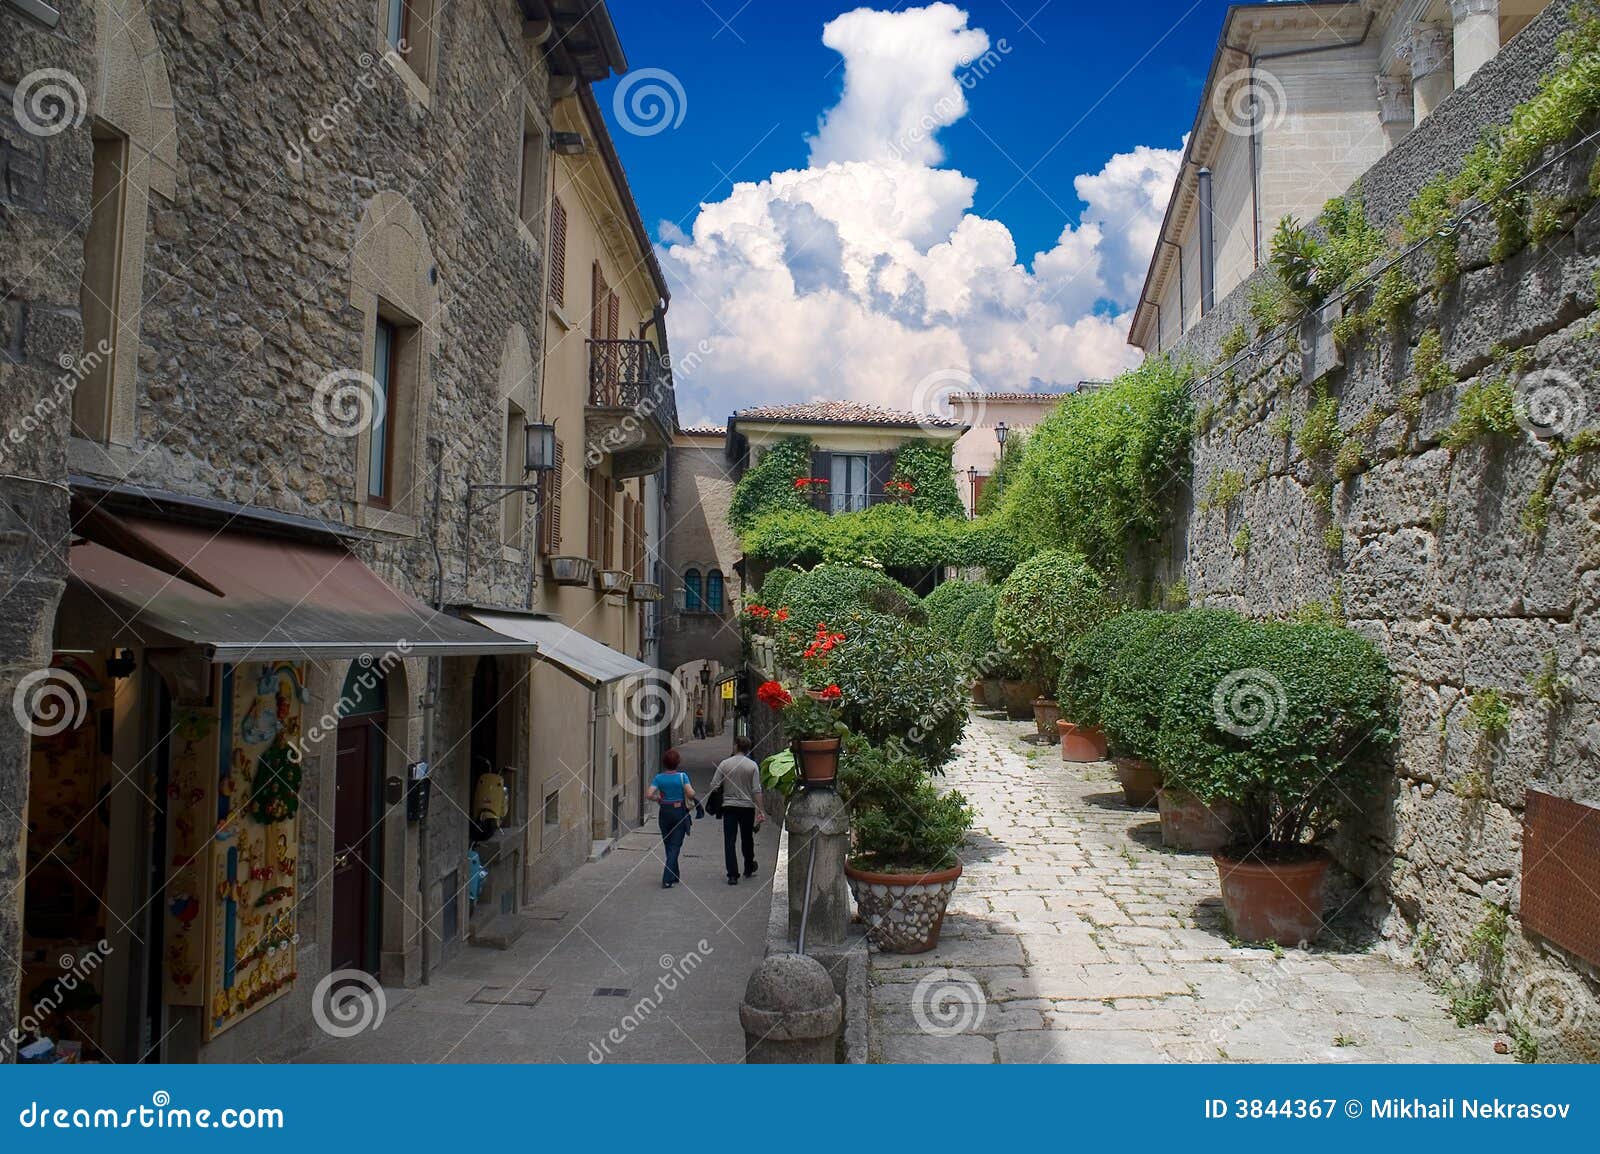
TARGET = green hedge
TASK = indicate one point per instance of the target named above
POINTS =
(976, 645)
(768, 485)
(775, 585)
(1083, 673)
(827, 595)
(1287, 721)
(926, 464)
(896, 536)
(1135, 693)
(1096, 473)
(901, 683)
(950, 604)
(1046, 604)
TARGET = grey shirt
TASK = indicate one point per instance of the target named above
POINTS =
(741, 781)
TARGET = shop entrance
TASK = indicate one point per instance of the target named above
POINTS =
(358, 822)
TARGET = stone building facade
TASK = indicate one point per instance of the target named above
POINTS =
(313, 324)
(1428, 550)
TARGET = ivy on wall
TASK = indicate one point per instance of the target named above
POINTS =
(894, 536)
(927, 465)
(768, 486)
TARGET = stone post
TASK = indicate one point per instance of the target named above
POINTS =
(819, 816)
(1395, 111)
(1427, 49)
(790, 1012)
(1475, 35)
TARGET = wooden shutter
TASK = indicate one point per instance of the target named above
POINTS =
(595, 517)
(639, 550)
(822, 466)
(558, 253)
(550, 514)
(597, 302)
(880, 471)
(608, 525)
(613, 315)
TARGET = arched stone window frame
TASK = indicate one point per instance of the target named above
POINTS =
(693, 590)
(715, 580)
(392, 278)
(132, 99)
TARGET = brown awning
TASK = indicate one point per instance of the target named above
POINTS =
(280, 599)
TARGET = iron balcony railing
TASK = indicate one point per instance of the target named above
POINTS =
(629, 375)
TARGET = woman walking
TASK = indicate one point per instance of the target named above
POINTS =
(740, 779)
(671, 791)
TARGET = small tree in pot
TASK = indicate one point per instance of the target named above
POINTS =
(1289, 723)
(1131, 707)
(904, 836)
(1044, 607)
(1082, 684)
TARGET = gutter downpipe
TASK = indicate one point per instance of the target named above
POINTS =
(1208, 254)
(430, 702)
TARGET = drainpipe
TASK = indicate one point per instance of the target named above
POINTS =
(430, 702)
(1208, 255)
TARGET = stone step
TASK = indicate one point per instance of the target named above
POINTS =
(498, 933)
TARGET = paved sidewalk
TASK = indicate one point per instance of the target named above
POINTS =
(1074, 937)
(608, 927)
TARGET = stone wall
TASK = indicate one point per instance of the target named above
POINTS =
(44, 200)
(699, 537)
(1424, 550)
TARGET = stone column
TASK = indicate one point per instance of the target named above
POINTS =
(1427, 50)
(818, 816)
(790, 1012)
(1395, 111)
(1475, 36)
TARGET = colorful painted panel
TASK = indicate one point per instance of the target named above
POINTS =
(250, 927)
(191, 784)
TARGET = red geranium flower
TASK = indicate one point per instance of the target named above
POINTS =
(773, 695)
(783, 613)
(832, 693)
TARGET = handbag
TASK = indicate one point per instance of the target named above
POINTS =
(714, 802)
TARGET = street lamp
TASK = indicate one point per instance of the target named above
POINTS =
(705, 675)
(1000, 431)
(972, 487)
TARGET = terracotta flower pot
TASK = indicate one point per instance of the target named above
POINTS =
(1188, 823)
(1273, 902)
(903, 912)
(1139, 780)
(1019, 697)
(977, 692)
(993, 694)
(1046, 713)
(818, 760)
(1081, 742)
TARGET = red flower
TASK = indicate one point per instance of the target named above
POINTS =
(773, 695)
(783, 613)
(832, 693)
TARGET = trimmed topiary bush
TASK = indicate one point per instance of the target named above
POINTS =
(900, 683)
(1044, 607)
(1083, 673)
(1289, 722)
(828, 594)
(950, 603)
(975, 645)
(775, 585)
(899, 820)
(1135, 693)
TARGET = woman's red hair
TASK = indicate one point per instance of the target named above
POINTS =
(671, 758)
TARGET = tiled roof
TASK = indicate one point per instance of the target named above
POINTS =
(844, 413)
(703, 430)
(976, 396)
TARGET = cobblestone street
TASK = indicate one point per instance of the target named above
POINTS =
(1074, 937)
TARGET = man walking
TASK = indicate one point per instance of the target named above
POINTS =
(740, 779)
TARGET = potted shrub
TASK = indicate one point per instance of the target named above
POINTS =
(812, 725)
(1081, 685)
(1131, 707)
(1290, 724)
(900, 683)
(904, 835)
(974, 642)
(1047, 603)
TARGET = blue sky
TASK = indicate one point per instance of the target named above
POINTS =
(904, 242)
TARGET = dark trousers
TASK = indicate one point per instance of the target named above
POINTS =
(699, 728)
(739, 821)
(674, 822)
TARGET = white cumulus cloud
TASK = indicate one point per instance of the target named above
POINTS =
(863, 272)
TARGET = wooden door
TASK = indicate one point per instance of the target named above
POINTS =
(356, 862)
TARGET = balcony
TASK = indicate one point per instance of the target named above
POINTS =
(632, 409)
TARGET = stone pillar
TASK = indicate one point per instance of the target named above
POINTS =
(1475, 35)
(1427, 49)
(1395, 110)
(819, 816)
(790, 1012)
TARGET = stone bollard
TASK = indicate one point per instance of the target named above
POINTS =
(790, 1012)
(819, 815)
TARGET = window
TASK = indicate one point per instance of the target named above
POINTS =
(602, 518)
(550, 506)
(558, 253)
(638, 565)
(399, 17)
(979, 482)
(714, 591)
(408, 29)
(552, 808)
(100, 291)
(513, 511)
(530, 191)
(847, 484)
(380, 455)
(691, 591)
